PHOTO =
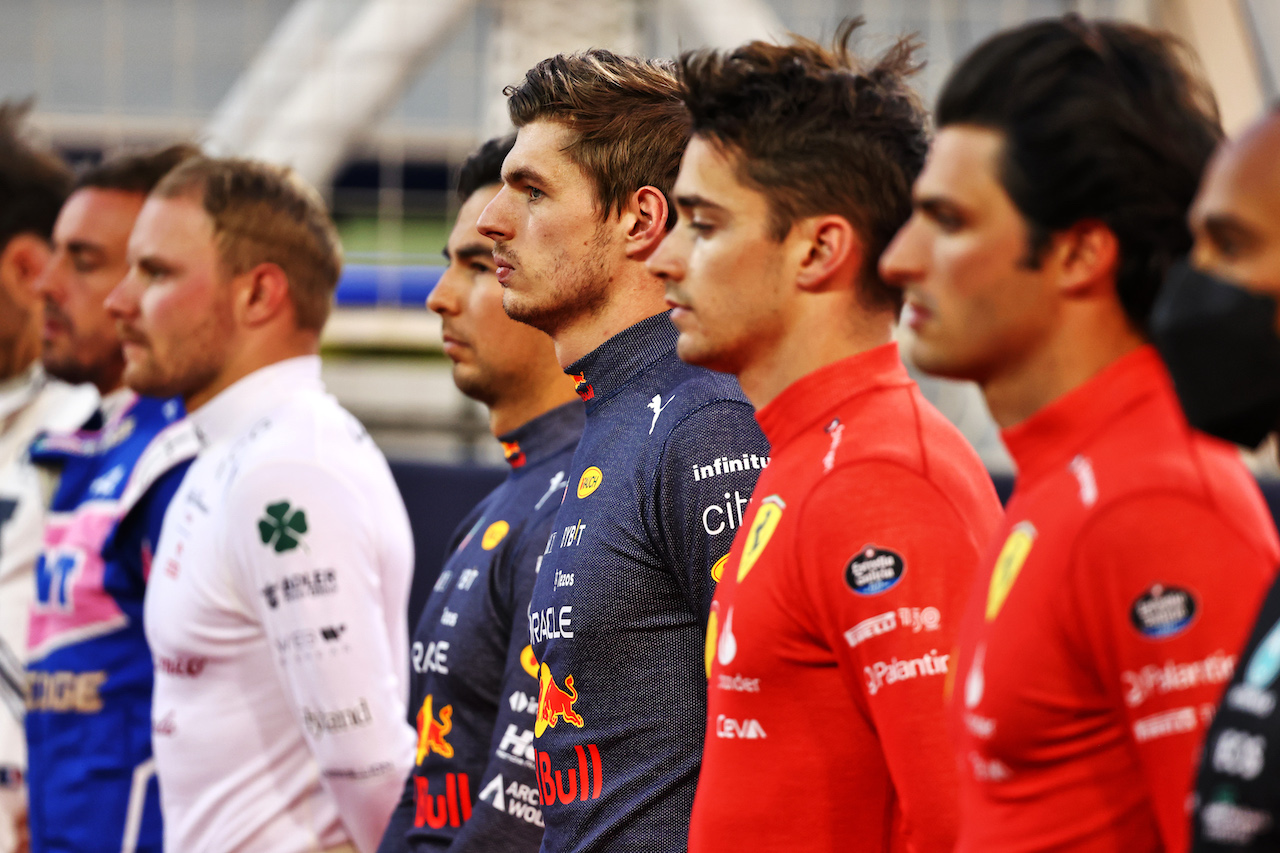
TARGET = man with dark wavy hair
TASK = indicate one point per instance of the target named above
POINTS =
(841, 596)
(1135, 551)
(666, 464)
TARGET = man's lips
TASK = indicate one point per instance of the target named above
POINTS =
(916, 313)
(503, 269)
(452, 345)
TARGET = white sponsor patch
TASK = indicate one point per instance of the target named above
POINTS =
(1172, 677)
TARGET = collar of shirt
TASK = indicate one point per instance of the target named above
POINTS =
(605, 370)
(1049, 438)
(545, 435)
(814, 396)
(113, 406)
(236, 407)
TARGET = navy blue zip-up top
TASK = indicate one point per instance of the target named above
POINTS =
(666, 465)
(473, 693)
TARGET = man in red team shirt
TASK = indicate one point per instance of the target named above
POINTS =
(829, 643)
(1108, 612)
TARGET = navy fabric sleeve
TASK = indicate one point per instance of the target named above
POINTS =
(705, 477)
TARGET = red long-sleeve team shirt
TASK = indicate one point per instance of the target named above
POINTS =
(833, 625)
(1105, 621)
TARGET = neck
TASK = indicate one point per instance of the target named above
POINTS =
(1061, 364)
(20, 356)
(516, 409)
(831, 328)
(250, 359)
(631, 298)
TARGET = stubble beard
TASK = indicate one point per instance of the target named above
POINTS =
(569, 292)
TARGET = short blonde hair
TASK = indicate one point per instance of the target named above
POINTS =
(266, 214)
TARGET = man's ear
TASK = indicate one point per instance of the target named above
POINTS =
(263, 294)
(1086, 256)
(21, 264)
(645, 221)
(831, 250)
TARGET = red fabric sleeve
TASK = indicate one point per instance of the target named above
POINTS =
(1165, 590)
(894, 646)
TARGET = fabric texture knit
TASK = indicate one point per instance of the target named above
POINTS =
(474, 690)
(1106, 621)
(834, 622)
(665, 467)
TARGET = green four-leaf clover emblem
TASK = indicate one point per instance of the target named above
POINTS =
(282, 527)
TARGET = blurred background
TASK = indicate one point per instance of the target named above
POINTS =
(377, 102)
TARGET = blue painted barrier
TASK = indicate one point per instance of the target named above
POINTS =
(370, 285)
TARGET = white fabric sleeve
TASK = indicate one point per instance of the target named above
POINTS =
(329, 552)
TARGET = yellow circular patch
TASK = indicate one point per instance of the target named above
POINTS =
(494, 534)
(717, 569)
(590, 481)
(528, 661)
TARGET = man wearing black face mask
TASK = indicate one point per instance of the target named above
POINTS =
(1216, 326)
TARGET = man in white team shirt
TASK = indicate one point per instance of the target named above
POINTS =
(276, 604)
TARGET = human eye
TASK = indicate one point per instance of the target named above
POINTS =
(534, 193)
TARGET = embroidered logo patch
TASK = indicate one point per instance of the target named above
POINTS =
(762, 528)
(1012, 557)
(494, 534)
(1163, 611)
(873, 570)
(282, 528)
(589, 481)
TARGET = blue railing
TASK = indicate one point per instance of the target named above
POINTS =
(375, 285)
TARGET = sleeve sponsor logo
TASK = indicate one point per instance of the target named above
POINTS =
(916, 618)
(520, 801)
(1174, 722)
(467, 579)
(555, 704)
(431, 732)
(1241, 754)
(516, 746)
(1008, 565)
(656, 406)
(320, 722)
(1163, 612)
(442, 582)
(551, 624)
(282, 527)
(738, 684)
(165, 726)
(181, 667)
(1264, 665)
(572, 535)
(453, 807)
(311, 643)
(763, 526)
(356, 774)
(563, 579)
(731, 729)
(300, 585)
(523, 703)
(494, 534)
(989, 770)
(569, 785)
(1227, 823)
(63, 691)
(717, 568)
(728, 516)
(589, 481)
(528, 662)
(1174, 677)
(883, 673)
(433, 657)
(874, 570)
(729, 465)
(449, 618)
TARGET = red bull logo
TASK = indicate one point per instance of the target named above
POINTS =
(514, 455)
(435, 810)
(555, 704)
(583, 387)
(431, 733)
(564, 787)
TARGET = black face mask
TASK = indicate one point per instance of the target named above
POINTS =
(1219, 342)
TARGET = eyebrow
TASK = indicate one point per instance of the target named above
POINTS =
(523, 175)
(1228, 225)
(80, 247)
(692, 201)
(469, 251)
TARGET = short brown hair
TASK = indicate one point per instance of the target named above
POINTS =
(817, 131)
(34, 182)
(135, 173)
(626, 115)
(266, 214)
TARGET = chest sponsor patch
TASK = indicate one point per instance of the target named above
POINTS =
(495, 533)
(873, 570)
(762, 530)
(589, 481)
(1163, 611)
(1008, 565)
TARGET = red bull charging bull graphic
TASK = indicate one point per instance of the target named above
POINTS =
(582, 781)
(431, 732)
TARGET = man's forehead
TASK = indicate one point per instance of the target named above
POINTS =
(92, 214)
(709, 176)
(540, 145)
(962, 162)
(163, 219)
(1243, 179)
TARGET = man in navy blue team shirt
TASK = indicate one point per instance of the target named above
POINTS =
(473, 693)
(666, 465)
